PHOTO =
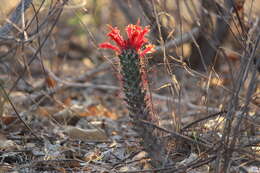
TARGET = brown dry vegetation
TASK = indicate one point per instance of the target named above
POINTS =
(61, 102)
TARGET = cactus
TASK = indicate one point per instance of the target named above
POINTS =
(130, 52)
(133, 85)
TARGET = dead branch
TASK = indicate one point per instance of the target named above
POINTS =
(14, 19)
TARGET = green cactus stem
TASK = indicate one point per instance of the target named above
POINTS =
(130, 53)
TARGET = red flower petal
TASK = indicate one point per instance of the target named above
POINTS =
(136, 39)
(149, 48)
(141, 39)
(107, 45)
(115, 36)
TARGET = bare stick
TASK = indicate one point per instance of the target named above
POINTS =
(15, 18)
(186, 37)
(16, 112)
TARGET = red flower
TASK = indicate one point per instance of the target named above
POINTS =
(136, 40)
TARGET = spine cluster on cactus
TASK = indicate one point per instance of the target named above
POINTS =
(130, 52)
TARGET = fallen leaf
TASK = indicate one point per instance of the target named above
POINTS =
(6, 144)
(93, 156)
(98, 110)
(8, 119)
(50, 82)
(46, 111)
(85, 134)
